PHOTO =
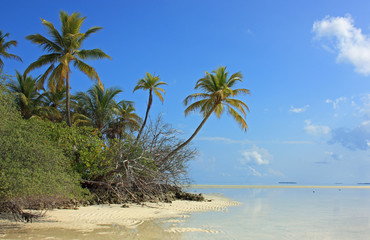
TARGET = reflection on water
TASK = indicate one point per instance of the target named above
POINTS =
(306, 213)
(265, 213)
(147, 230)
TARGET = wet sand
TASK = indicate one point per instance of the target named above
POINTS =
(94, 217)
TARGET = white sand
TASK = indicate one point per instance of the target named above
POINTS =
(91, 217)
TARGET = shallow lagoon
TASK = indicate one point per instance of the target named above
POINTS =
(293, 213)
(265, 213)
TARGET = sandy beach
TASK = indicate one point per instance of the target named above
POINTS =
(92, 217)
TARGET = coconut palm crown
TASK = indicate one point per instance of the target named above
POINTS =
(216, 96)
(151, 83)
(4, 46)
(63, 48)
(98, 105)
(126, 120)
(27, 97)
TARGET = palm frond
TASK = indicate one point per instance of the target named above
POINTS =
(88, 70)
(159, 95)
(240, 105)
(47, 45)
(236, 92)
(88, 33)
(9, 44)
(234, 78)
(12, 56)
(219, 110)
(92, 54)
(195, 96)
(41, 81)
(57, 38)
(239, 119)
(195, 106)
(57, 77)
(43, 60)
(159, 83)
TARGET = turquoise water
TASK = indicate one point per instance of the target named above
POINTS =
(264, 213)
(293, 213)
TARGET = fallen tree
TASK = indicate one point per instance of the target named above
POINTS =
(138, 172)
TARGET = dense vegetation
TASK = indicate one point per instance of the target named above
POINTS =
(89, 147)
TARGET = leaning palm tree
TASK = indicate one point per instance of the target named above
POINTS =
(26, 95)
(216, 96)
(98, 105)
(4, 46)
(63, 49)
(150, 83)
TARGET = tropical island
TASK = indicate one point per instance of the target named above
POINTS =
(63, 150)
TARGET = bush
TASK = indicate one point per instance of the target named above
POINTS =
(82, 146)
(31, 165)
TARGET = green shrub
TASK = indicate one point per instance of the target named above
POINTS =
(82, 146)
(31, 165)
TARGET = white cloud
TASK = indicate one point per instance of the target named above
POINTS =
(336, 101)
(316, 130)
(299, 110)
(257, 156)
(254, 172)
(350, 43)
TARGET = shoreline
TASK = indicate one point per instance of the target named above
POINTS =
(92, 217)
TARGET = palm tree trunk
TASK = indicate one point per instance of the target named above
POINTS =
(192, 136)
(68, 100)
(146, 114)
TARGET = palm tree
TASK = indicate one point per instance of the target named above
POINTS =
(216, 95)
(65, 48)
(98, 105)
(126, 120)
(150, 83)
(27, 97)
(54, 100)
(4, 46)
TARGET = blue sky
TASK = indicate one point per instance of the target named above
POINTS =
(306, 63)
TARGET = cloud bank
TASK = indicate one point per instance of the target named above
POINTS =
(348, 41)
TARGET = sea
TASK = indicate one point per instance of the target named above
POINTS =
(265, 212)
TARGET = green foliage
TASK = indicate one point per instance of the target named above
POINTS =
(98, 105)
(26, 94)
(4, 47)
(217, 95)
(150, 83)
(64, 48)
(30, 164)
(82, 146)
